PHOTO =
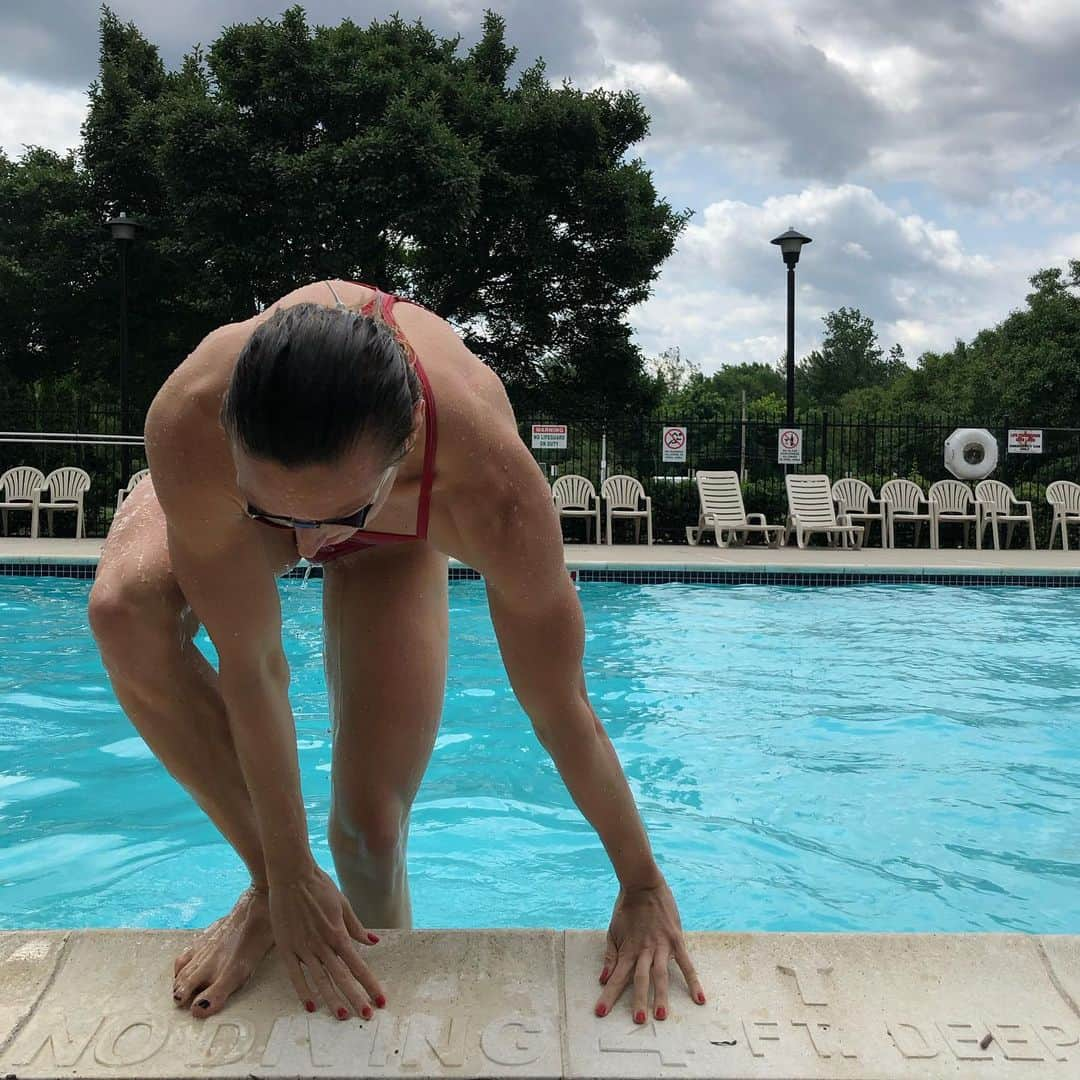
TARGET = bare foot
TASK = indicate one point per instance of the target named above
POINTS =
(224, 956)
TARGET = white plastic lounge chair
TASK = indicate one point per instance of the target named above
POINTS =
(952, 500)
(811, 510)
(623, 496)
(853, 498)
(993, 503)
(124, 492)
(66, 488)
(1064, 497)
(722, 510)
(18, 491)
(575, 497)
(903, 501)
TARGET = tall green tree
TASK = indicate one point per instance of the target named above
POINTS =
(850, 358)
(1025, 370)
(683, 388)
(384, 155)
(387, 154)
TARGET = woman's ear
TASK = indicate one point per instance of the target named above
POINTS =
(419, 412)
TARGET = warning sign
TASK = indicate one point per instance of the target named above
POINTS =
(549, 436)
(674, 444)
(1025, 442)
(789, 448)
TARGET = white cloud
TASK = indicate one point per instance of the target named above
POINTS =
(39, 115)
(722, 296)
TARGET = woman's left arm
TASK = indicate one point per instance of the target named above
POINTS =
(507, 529)
(509, 532)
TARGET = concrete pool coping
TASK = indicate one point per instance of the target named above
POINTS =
(519, 1003)
(683, 558)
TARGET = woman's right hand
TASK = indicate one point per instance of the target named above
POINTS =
(316, 928)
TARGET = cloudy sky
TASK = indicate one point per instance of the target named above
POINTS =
(931, 148)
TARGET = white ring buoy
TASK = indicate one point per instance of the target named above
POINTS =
(971, 453)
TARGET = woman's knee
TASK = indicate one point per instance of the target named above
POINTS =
(374, 824)
(133, 624)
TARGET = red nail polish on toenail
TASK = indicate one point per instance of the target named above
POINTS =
(373, 938)
(700, 998)
(639, 1017)
(310, 1006)
(342, 1014)
(661, 1013)
(603, 975)
(601, 1010)
(381, 1002)
(366, 1012)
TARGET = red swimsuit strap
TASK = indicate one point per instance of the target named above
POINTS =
(386, 303)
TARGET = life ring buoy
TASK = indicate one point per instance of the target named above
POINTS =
(971, 453)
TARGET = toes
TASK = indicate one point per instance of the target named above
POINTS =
(218, 993)
(190, 984)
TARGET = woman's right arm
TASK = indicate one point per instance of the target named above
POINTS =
(223, 571)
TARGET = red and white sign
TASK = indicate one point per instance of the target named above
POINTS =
(549, 436)
(674, 444)
(1025, 441)
(789, 446)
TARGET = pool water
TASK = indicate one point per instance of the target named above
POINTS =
(869, 758)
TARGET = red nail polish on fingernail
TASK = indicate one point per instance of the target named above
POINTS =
(639, 1017)
(380, 1001)
(310, 1006)
(661, 1013)
(700, 998)
(342, 1014)
(601, 1010)
(373, 938)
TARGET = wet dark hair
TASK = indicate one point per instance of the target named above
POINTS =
(314, 382)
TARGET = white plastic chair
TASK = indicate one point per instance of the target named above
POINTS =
(124, 492)
(18, 488)
(811, 510)
(950, 501)
(1064, 497)
(903, 500)
(623, 496)
(575, 497)
(853, 498)
(66, 488)
(993, 503)
(722, 511)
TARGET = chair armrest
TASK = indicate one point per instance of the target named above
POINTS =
(754, 519)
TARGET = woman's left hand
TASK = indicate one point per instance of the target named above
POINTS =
(645, 933)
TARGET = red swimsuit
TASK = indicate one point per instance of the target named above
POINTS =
(381, 306)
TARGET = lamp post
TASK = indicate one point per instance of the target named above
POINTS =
(123, 232)
(791, 244)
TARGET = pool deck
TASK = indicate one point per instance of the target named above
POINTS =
(684, 557)
(519, 1003)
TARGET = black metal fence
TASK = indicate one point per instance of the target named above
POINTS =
(869, 448)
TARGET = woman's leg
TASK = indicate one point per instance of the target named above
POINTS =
(144, 629)
(386, 627)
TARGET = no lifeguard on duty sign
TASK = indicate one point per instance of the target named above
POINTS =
(789, 446)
